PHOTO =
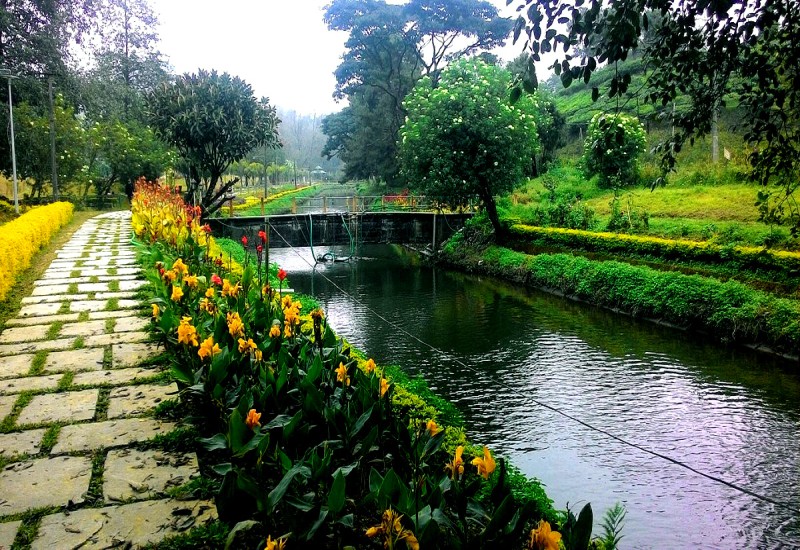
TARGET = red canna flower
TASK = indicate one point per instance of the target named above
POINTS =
(215, 279)
(282, 274)
(263, 236)
(244, 241)
(207, 228)
(259, 249)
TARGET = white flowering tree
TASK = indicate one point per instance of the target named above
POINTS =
(611, 151)
(464, 140)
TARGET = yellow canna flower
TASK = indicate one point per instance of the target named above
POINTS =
(369, 366)
(274, 331)
(187, 334)
(432, 427)
(180, 267)
(156, 311)
(287, 331)
(170, 275)
(259, 355)
(277, 544)
(235, 325)
(252, 419)
(486, 465)
(229, 289)
(392, 529)
(384, 386)
(286, 302)
(246, 345)
(207, 305)
(208, 348)
(191, 280)
(210, 292)
(456, 466)
(317, 314)
(177, 294)
(290, 316)
(341, 375)
(542, 538)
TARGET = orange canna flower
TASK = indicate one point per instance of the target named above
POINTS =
(432, 427)
(156, 311)
(275, 331)
(191, 280)
(229, 289)
(177, 294)
(235, 325)
(543, 538)
(341, 375)
(456, 466)
(369, 366)
(187, 334)
(208, 348)
(180, 267)
(384, 386)
(252, 419)
(210, 292)
(246, 345)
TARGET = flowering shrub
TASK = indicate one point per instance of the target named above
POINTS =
(748, 257)
(21, 238)
(308, 436)
(612, 147)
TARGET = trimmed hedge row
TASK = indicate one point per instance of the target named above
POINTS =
(20, 239)
(745, 257)
(730, 310)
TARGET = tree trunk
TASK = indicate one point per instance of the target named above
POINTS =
(491, 210)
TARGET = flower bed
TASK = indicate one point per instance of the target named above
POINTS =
(252, 202)
(21, 238)
(744, 257)
(312, 439)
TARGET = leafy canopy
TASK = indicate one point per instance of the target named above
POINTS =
(700, 49)
(463, 139)
(212, 120)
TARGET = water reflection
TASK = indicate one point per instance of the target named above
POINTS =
(726, 412)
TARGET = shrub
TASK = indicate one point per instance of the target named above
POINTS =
(20, 239)
(611, 150)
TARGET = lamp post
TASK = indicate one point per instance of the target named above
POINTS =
(7, 74)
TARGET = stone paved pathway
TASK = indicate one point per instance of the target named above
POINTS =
(78, 387)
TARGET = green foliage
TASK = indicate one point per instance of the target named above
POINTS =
(463, 139)
(212, 120)
(612, 526)
(612, 148)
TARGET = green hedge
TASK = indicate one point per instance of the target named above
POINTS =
(750, 258)
(729, 310)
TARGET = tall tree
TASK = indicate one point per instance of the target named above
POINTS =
(389, 48)
(212, 120)
(463, 140)
(703, 50)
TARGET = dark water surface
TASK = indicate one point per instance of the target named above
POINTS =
(726, 412)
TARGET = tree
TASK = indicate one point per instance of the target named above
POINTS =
(702, 50)
(612, 148)
(463, 140)
(212, 120)
(128, 64)
(389, 48)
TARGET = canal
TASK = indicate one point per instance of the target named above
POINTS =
(730, 413)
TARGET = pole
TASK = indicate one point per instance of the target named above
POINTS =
(53, 162)
(13, 148)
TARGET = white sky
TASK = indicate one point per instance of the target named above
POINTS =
(282, 48)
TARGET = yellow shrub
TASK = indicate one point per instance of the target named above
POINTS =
(20, 239)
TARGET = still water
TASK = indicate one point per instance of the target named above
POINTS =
(726, 412)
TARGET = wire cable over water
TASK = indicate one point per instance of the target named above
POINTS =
(542, 404)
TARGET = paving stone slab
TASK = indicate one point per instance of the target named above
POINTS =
(32, 347)
(24, 334)
(8, 531)
(15, 365)
(128, 304)
(119, 338)
(85, 328)
(136, 400)
(6, 406)
(50, 289)
(130, 474)
(110, 314)
(116, 295)
(114, 377)
(36, 310)
(41, 320)
(55, 299)
(93, 287)
(29, 383)
(27, 442)
(74, 360)
(131, 324)
(111, 433)
(130, 355)
(87, 305)
(134, 284)
(127, 526)
(71, 406)
(44, 482)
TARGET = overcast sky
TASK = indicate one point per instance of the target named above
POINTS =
(280, 47)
